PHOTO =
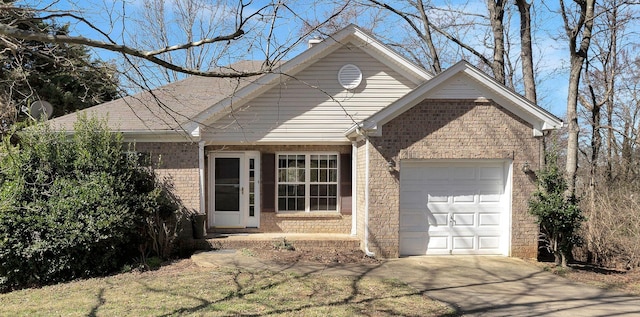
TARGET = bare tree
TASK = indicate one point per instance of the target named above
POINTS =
(578, 24)
(242, 16)
(496, 17)
(160, 23)
(526, 50)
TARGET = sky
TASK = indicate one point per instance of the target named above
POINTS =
(117, 19)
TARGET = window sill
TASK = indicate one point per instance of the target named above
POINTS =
(313, 214)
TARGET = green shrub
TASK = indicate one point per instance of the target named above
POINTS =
(559, 216)
(74, 206)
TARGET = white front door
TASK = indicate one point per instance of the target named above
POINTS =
(454, 208)
(234, 190)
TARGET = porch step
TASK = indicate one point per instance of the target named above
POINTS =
(299, 241)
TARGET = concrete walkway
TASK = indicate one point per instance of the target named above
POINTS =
(474, 286)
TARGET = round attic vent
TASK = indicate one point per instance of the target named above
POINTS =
(350, 76)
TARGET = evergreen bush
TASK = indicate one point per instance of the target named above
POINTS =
(75, 205)
(559, 216)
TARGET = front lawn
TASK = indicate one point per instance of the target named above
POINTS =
(183, 289)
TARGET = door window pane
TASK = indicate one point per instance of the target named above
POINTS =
(227, 184)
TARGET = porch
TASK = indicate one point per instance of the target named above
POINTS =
(299, 241)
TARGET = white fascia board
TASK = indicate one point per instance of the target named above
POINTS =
(157, 136)
(409, 100)
(546, 120)
(281, 142)
(539, 118)
(266, 81)
(392, 59)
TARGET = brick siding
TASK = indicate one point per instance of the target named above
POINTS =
(177, 163)
(451, 129)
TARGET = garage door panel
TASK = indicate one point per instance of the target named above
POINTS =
(434, 174)
(464, 219)
(414, 243)
(463, 173)
(489, 243)
(490, 173)
(438, 208)
(489, 197)
(489, 219)
(413, 199)
(464, 243)
(416, 221)
(439, 243)
(440, 219)
(437, 198)
(463, 197)
(464, 204)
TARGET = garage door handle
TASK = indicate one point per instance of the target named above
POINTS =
(452, 221)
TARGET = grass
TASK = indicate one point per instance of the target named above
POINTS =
(183, 289)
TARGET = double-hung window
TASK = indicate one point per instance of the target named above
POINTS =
(307, 182)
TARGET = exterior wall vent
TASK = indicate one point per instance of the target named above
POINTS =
(349, 76)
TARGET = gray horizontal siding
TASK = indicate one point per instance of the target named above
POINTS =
(296, 110)
(458, 87)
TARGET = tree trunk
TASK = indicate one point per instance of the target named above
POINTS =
(572, 124)
(526, 52)
(496, 16)
(583, 27)
(437, 68)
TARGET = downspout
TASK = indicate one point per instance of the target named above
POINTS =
(354, 188)
(201, 175)
(366, 202)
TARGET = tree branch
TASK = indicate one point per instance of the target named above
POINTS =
(10, 31)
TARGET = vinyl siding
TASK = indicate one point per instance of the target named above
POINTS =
(312, 106)
(457, 87)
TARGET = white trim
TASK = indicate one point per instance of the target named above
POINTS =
(366, 202)
(509, 201)
(539, 118)
(307, 181)
(244, 157)
(354, 188)
(257, 207)
(160, 136)
(201, 177)
(284, 142)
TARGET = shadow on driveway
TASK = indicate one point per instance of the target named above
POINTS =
(473, 285)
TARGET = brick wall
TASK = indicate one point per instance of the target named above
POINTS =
(451, 129)
(178, 163)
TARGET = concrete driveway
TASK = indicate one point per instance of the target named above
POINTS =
(473, 285)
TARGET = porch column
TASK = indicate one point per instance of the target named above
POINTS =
(201, 175)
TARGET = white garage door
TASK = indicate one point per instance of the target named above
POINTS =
(453, 208)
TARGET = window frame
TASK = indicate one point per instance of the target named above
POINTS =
(307, 181)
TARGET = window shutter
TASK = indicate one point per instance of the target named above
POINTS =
(345, 184)
(268, 182)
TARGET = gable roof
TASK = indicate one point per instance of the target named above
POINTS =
(178, 110)
(164, 110)
(351, 33)
(539, 118)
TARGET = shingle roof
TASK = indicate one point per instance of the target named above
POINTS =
(166, 108)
